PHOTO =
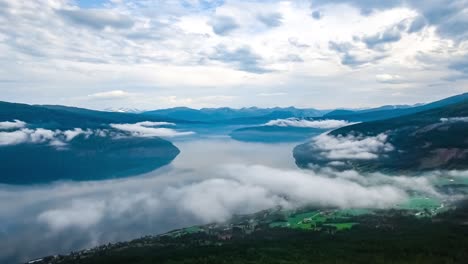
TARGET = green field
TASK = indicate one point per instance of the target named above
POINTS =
(342, 226)
(316, 218)
(193, 229)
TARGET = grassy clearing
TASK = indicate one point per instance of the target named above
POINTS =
(342, 226)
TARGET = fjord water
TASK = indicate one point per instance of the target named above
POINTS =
(91, 158)
(58, 217)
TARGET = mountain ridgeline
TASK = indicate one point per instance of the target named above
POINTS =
(65, 117)
(235, 116)
(386, 112)
(423, 137)
(90, 149)
(432, 139)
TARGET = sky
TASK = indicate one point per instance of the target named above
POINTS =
(152, 54)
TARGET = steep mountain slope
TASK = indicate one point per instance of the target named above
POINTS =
(344, 112)
(65, 117)
(432, 139)
(109, 117)
(50, 143)
(383, 113)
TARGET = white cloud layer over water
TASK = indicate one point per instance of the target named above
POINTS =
(60, 138)
(320, 124)
(55, 138)
(7, 125)
(150, 129)
(209, 181)
(350, 147)
(230, 189)
(455, 119)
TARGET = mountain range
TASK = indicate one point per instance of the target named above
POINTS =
(40, 144)
(231, 115)
(386, 112)
(433, 136)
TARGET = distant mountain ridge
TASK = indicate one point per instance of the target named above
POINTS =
(91, 150)
(436, 138)
(386, 112)
(234, 115)
(124, 110)
(66, 117)
(343, 112)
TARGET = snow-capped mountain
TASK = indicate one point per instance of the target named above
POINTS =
(124, 110)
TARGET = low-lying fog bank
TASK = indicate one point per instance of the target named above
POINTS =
(210, 181)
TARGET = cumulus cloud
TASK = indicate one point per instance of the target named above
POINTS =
(40, 135)
(295, 42)
(272, 94)
(389, 35)
(321, 124)
(7, 125)
(350, 147)
(270, 20)
(96, 18)
(460, 65)
(223, 25)
(243, 58)
(150, 129)
(25, 135)
(13, 138)
(56, 138)
(81, 213)
(115, 94)
(231, 189)
(71, 134)
(353, 56)
(389, 78)
(317, 15)
(449, 18)
(417, 24)
(292, 58)
(166, 40)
